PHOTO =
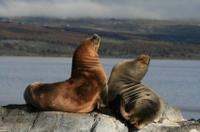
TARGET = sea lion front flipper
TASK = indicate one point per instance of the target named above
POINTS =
(125, 114)
(103, 101)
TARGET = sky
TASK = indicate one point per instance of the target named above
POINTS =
(147, 9)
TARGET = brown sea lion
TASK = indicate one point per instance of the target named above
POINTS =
(138, 104)
(82, 92)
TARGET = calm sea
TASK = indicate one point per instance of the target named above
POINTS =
(177, 81)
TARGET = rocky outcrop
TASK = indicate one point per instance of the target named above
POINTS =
(20, 118)
(184, 126)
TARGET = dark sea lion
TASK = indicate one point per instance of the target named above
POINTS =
(138, 104)
(129, 72)
(82, 92)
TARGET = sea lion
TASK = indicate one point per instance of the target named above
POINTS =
(138, 104)
(82, 92)
(126, 72)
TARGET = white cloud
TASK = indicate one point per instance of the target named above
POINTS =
(154, 9)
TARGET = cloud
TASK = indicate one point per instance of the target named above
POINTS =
(153, 9)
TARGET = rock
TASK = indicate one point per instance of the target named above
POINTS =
(20, 118)
(184, 126)
(171, 120)
(170, 113)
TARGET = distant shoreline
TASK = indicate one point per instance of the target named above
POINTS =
(101, 57)
(120, 38)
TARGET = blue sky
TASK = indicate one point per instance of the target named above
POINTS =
(153, 9)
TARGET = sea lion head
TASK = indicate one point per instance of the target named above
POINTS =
(127, 72)
(86, 54)
(92, 43)
(88, 48)
(95, 41)
(131, 70)
(139, 67)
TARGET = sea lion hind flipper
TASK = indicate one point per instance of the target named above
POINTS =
(28, 97)
(27, 94)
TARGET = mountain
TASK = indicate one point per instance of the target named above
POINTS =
(37, 36)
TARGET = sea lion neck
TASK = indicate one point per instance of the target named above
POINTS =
(96, 41)
(85, 58)
(129, 74)
(130, 80)
(136, 69)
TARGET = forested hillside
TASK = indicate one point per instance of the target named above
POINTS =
(120, 38)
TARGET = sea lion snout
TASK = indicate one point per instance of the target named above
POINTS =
(96, 40)
(96, 36)
(144, 59)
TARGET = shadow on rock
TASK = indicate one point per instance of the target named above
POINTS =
(22, 107)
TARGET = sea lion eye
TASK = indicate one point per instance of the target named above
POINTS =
(95, 39)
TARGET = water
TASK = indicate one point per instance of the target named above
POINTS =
(177, 81)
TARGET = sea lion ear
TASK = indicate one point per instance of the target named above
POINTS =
(95, 39)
